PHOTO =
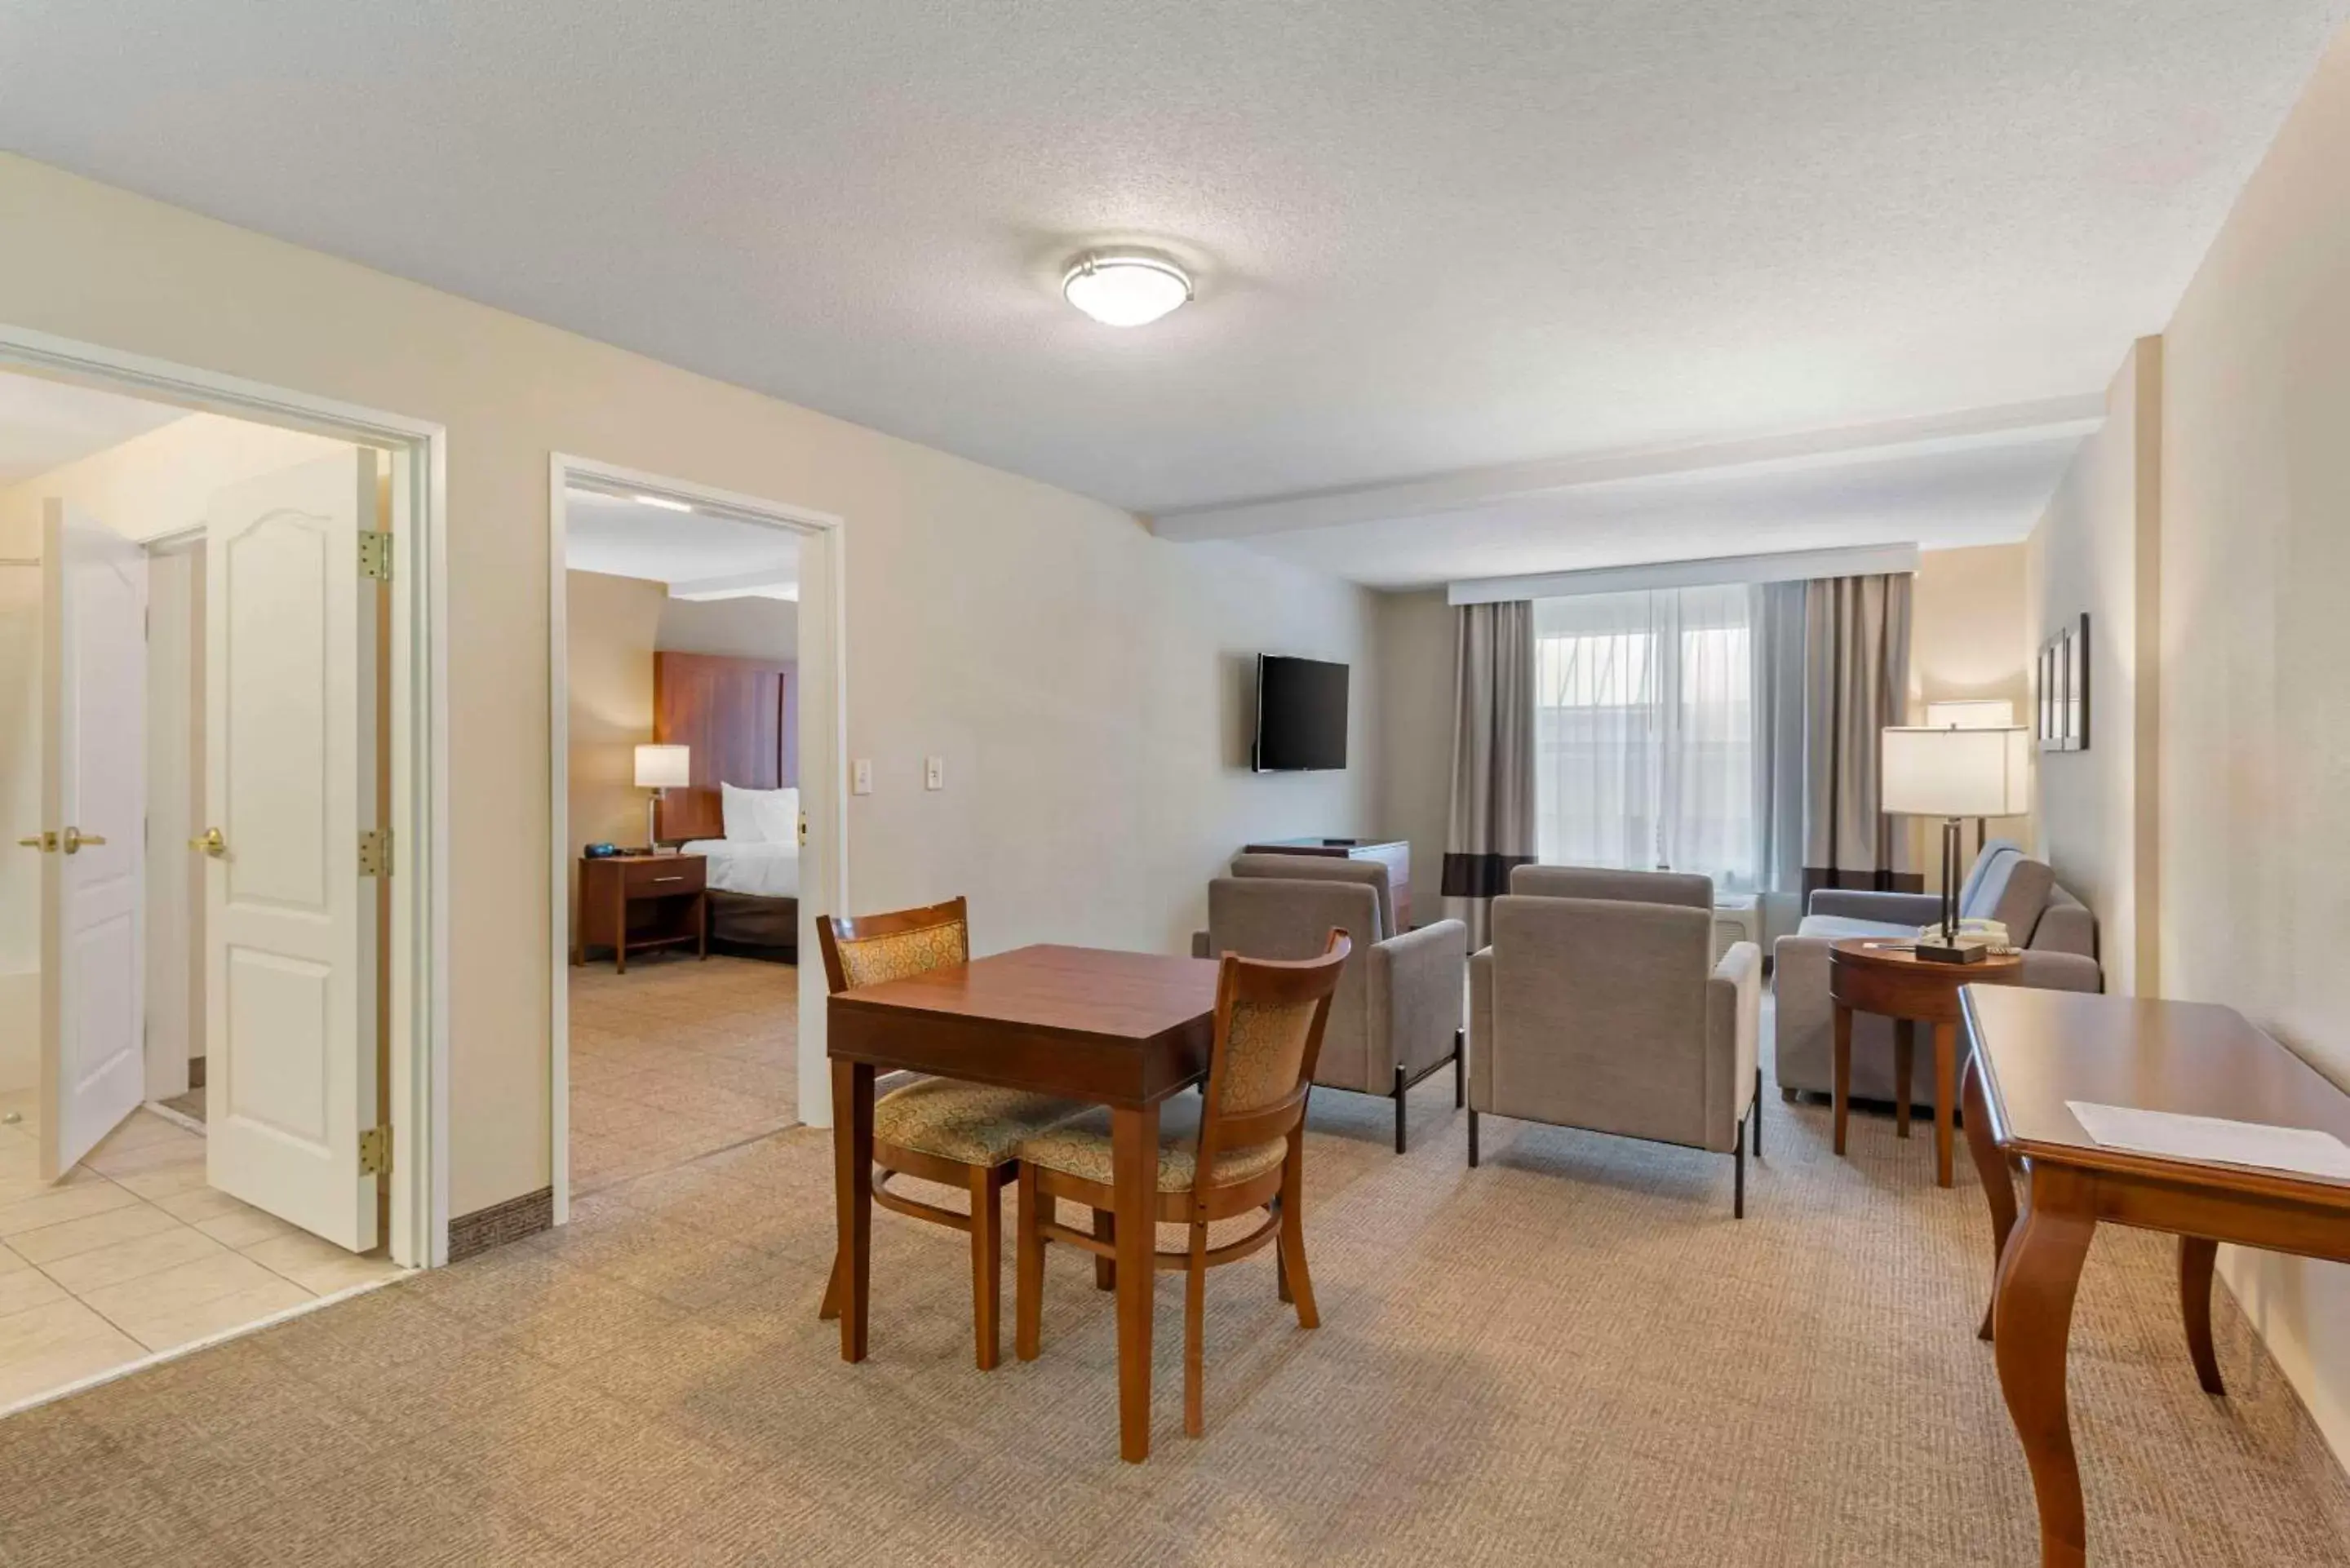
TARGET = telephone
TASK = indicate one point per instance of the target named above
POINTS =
(1988, 934)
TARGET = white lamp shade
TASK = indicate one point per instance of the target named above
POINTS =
(1974, 713)
(1927, 771)
(664, 767)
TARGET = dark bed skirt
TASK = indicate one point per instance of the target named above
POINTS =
(744, 926)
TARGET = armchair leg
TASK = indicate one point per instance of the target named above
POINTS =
(1472, 1140)
(1401, 1084)
(1460, 1068)
(1757, 1111)
(1738, 1190)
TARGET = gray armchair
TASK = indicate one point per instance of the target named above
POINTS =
(1599, 1006)
(2056, 931)
(1395, 1018)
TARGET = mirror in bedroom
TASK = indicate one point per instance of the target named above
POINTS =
(682, 695)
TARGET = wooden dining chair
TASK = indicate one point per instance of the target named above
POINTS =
(1240, 1147)
(938, 1130)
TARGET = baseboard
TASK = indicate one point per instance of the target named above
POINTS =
(475, 1233)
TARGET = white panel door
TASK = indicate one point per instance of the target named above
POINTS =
(93, 815)
(289, 924)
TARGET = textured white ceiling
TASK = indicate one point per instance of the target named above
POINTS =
(1429, 238)
(624, 539)
(47, 424)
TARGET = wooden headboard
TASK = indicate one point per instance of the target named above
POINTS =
(741, 718)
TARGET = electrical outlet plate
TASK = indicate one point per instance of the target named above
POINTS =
(934, 772)
(860, 776)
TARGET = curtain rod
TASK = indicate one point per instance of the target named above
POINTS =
(1794, 565)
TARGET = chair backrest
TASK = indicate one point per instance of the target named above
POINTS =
(866, 950)
(1600, 1015)
(1265, 917)
(1270, 1016)
(1372, 874)
(1686, 888)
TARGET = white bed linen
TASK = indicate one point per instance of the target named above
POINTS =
(765, 870)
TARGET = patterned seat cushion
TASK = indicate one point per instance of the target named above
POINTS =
(974, 1123)
(1082, 1148)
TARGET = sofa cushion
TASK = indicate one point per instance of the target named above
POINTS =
(1835, 928)
(2012, 891)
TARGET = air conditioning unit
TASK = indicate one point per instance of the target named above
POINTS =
(1737, 917)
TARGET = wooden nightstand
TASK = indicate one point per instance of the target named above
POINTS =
(630, 903)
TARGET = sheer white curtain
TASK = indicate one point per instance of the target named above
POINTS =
(1644, 731)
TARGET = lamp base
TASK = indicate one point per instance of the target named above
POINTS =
(1963, 951)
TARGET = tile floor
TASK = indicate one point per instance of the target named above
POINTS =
(676, 1058)
(132, 1254)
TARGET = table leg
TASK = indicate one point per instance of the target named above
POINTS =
(852, 1181)
(1991, 1168)
(1946, 1098)
(2038, 1274)
(2197, 1258)
(1843, 1072)
(1134, 1172)
(1904, 1062)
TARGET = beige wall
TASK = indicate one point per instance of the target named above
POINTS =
(1085, 681)
(2094, 550)
(609, 625)
(1414, 797)
(2254, 753)
(1968, 641)
(739, 628)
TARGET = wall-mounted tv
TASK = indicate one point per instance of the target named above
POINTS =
(1301, 714)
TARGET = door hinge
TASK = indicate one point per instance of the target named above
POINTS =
(375, 554)
(375, 852)
(375, 1151)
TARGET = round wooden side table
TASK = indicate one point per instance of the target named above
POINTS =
(1881, 975)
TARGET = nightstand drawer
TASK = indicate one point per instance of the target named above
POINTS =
(663, 875)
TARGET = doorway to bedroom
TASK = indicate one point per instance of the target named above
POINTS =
(680, 765)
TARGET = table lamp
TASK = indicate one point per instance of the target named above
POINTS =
(1972, 713)
(662, 769)
(1952, 773)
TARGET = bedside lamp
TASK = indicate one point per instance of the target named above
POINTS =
(1952, 773)
(662, 769)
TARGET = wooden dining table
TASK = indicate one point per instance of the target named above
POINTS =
(1120, 1029)
(2038, 1053)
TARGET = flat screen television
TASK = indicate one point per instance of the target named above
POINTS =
(1301, 714)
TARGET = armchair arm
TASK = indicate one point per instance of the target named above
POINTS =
(1481, 1029)
(1415, 995)
(1893, 909)
(1734, 1028)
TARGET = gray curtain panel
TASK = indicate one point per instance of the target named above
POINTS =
(1492, 831)
(1855, 682)
(1778, 620)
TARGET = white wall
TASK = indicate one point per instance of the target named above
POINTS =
(1968, 641)
(1085, 680)
(1414, 797)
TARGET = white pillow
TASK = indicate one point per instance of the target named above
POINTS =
(759, 816)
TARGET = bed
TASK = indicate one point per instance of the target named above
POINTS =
(740, 813)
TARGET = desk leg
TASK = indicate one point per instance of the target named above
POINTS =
(1905, 1065)
(1990, 1167)
(1946, 1099)
(852, 1182)
(1134, 1170)
(2196, 1256)
(1843, 1072)
(2038, 1274)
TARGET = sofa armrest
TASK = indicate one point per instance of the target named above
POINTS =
(1415, 996)
(2059, 972)
(1734, 1025)
(1893, 909)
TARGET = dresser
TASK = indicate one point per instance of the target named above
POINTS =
(1396, 854)
(634, 903)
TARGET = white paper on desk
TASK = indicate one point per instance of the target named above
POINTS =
(2176, 1136)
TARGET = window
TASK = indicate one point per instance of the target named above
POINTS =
(1644, 733)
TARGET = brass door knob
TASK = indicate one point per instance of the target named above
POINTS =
(73, 838)
(212, 843)
(41, 841)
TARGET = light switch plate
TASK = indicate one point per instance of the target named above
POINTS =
(860, 776)
(934, 772)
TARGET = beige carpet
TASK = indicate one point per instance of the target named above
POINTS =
(1573, 1355)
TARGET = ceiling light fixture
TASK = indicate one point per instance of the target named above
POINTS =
(1125, 288)
(664, 502)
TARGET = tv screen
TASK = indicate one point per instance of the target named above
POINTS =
(1301, 714)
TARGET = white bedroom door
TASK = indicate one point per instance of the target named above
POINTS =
(93, 815)
(289, 920)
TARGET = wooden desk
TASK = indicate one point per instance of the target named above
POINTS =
(1882, 975)
(1124, 1029)
(2034, 1050)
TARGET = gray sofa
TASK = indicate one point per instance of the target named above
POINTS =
(1600, 1006)
(2055, 930)
(1395, 1018)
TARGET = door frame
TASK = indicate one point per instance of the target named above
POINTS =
(823, 758)
(418, 978)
